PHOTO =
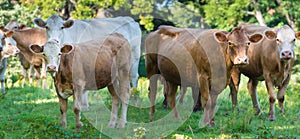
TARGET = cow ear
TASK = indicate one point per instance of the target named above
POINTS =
(36, 48)
(40, 22)
(67, 48)
(297, 34)
(220, 37)
(23, 26)
(255, 38)
(68, 23)
(8, 34)
(270, 34)
(2, 28)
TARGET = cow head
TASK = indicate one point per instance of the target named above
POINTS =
(285, 40)
(54, 27)
(52, 53)
(238, 43)
(8, 45)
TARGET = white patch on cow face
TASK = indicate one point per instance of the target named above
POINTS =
(286, 42)
(54, 28)
(8, 45)
(52, 55)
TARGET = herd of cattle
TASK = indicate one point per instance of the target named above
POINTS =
(84, 55)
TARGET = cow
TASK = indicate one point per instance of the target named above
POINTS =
(271, 60)
(195, 57)
(25, 64)
(76, 31)
(91, 65)
(8, 48)
(26, 37)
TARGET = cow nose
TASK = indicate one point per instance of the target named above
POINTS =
(242, 60)
(286, 54)
(51, 68)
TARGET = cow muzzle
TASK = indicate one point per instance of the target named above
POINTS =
(286, 55)
(51, 68)
(241, 61)
(16, 52)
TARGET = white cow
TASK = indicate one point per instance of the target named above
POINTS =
(8, 47)
(76, 31)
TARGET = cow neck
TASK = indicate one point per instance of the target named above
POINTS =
(66, 65)
(229, 63)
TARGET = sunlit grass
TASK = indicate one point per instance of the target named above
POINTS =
(32, 112)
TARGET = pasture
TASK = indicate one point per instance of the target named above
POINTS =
(32, 112)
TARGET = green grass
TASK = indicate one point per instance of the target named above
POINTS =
(34, 113)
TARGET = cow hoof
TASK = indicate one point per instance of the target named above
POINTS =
(63, 124)
(112, 124)
(212, 123)
(281, 111)
(258, 112)
(121, 124)
(271, 118)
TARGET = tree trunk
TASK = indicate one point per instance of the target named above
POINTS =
(258, 14)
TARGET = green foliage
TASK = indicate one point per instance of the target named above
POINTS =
(224, 14)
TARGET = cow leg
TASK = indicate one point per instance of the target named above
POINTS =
(134, 77)
(124, 92)
(37, 75)
(213, 98)
(63, 109)
(152, 94)
(281, 92)
(24, 71)
(115, 106)
(252, 88)
(206, 100)
(44, 76)
(197, 99)
(171, 96)
(85, 102)
(182, 93)
(234, 86)
(2, 75)
(165, 102)
(272, 98)
(31, 73)
(77, 100)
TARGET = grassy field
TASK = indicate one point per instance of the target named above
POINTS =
(32, 112)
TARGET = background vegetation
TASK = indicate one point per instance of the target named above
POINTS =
(33, 113)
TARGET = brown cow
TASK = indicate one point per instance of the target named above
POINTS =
(91, 65)
(26, 37)
(270, 60)
(13, 25)
(193, 57)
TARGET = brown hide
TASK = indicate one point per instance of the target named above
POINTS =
(265, 64)
(193, 57)
(25, 38)
(93, 68)
(92, 65)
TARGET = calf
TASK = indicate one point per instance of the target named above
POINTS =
(24, 38)
(25, 64)
(8, 48)
(270, 60)
(91, 65)
(193, 57)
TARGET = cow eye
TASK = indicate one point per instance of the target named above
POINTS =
(47, 28)
(61, 27)
(294, 40)
(230, 43)
(59, 54)
(9, 44)
(248, 43)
